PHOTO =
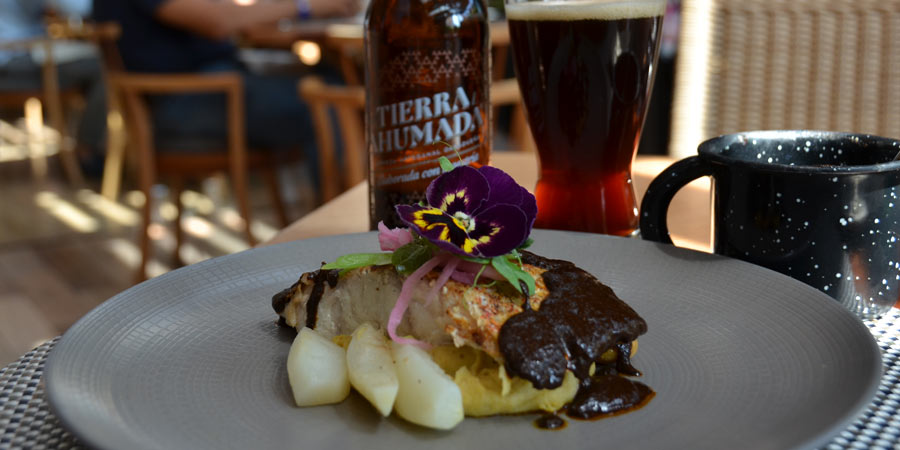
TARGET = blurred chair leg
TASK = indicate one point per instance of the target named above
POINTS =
(177, 187)
(115, 156)
(329, 186)
(146, 178)
(145, 235)
(237, 155)
(271, 178)
(239, 180)
(57, 118)
(70, 161)
(37, 142)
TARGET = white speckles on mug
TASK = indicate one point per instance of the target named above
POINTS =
(817, 206)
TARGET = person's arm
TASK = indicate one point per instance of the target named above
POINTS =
(220, 19)
(69, 8)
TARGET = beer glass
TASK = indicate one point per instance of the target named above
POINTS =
(585, 69)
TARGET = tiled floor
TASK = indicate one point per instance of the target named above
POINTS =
(64, 250)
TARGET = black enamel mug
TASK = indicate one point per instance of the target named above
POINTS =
(816, 206)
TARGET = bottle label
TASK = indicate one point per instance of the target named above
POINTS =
(435, 112)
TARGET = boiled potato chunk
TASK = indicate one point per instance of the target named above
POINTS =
(370, 365)
(427, 396)
(317, 370)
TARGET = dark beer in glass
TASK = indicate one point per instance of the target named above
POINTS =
(585, 69)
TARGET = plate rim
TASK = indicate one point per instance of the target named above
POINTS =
(61, 409)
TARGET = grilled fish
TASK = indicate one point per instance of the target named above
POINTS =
(459, 315)
(583, 317)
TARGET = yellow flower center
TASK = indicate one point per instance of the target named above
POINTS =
(464, 221)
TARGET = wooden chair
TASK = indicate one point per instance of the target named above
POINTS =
(786, 64)
(348, 103)
(130, 91)
(54, 100)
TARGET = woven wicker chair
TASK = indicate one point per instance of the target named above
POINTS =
(786, 64)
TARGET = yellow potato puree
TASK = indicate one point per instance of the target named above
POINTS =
(487, 390)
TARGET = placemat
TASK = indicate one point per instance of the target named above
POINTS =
(26, 421)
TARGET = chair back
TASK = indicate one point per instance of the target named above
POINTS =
(786, 64)
(348, 104)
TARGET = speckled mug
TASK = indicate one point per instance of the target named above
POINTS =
(816, 206)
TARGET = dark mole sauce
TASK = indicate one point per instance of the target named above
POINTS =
(577, 322)
(607, 395)
(319, 277)
(550, 422)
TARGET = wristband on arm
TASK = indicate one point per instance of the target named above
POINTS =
(303, 11)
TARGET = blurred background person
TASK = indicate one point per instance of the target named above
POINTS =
(172, 36)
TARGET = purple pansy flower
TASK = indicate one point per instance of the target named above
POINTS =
(473, 212)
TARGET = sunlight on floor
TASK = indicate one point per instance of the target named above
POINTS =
(26, 140)
(113, 211)
(130, 255)
(210, 221)
(66, 212)
(220, 229)
(217, 236)
(65, 248)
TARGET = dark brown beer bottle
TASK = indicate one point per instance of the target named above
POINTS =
(427, 84)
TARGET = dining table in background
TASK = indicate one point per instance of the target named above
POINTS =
(341, 42)
(285, 33)
(26, 420)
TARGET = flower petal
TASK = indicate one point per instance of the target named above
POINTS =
(437, 226)
(504, 189)
(462, 189)
(499, 229)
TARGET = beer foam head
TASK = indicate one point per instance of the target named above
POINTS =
(585, 9)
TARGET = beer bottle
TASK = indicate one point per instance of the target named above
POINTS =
(427, 73)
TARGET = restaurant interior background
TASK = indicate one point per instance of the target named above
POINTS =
(69, 235)
(64, 246)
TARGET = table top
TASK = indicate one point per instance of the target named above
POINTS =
(689, 213)
(26, 420)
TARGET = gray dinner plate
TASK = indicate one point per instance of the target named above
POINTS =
(739, 356)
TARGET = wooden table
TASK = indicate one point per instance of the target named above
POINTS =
(342, 38)
(689, 214)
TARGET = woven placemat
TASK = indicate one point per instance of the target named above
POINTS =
(27, 423)
(25, 417)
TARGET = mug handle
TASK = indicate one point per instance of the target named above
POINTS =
(655, 205)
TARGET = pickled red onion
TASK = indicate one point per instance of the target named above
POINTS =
(392, 239)
(473, 267)
(406, 293)
(454, 268)
(449, 268)
(463, 277)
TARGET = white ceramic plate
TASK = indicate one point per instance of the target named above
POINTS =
(740, 357)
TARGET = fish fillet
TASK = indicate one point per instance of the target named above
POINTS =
(461, 314)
